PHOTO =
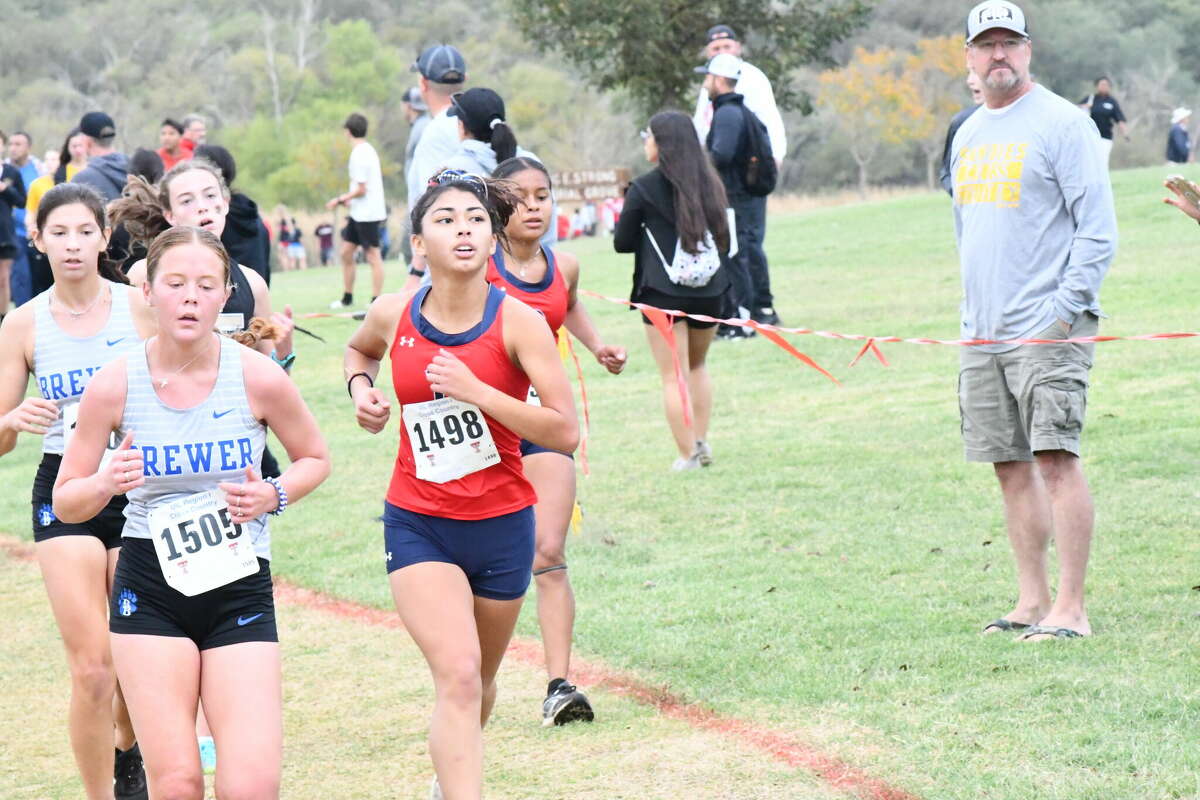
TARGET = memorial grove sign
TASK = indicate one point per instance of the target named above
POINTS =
(579, 186)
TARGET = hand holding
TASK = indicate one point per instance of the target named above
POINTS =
(250, 500)
(448, 375)
(124, 472)
(34, 415)
(371, 409)
(284, 326)
(612, 358)
(1181, 202)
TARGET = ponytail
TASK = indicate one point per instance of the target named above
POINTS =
(258, 330)
(503, 140)
(138, 209)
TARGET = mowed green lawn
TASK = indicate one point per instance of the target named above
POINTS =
(830, 573)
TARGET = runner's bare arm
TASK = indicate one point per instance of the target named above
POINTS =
(365, 351)
(579, 322)
(137, 273)
(19, 414)
(83, 488)
(531, 347)
(275, 399)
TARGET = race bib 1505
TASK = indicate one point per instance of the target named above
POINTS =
(198, 545)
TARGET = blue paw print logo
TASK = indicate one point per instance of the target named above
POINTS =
(45, 515)
(126, 603)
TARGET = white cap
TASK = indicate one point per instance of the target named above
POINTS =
(727, 65)
(1180, 114)
(995, 14)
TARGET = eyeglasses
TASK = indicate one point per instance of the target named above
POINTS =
(452, 176)
(1007, 45)
(645, 134)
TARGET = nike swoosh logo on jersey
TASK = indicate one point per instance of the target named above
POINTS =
(111, 342)
(223, 413)
(247, 620)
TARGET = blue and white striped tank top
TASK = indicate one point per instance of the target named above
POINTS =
(63, 364)
(185, 451)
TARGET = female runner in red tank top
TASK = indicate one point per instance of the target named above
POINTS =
(548, 281)
(458, 521)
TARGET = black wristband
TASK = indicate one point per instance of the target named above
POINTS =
(416, 273)
(351, 380)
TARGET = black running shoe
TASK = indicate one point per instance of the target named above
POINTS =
(129, 776)
(564, 703)
(766, 316)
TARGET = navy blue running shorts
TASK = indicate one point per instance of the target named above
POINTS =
(143, 603)
(528, 448)
(496, 553)
(105, 526)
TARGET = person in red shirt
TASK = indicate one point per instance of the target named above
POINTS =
(459, 520)
(547, 281)
(170, 140)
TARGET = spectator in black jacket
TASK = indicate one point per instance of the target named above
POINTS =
(245, 235)
(1179, 143)
(681, 201)
(976, 87)
(728, 143)
(106, 169)
(12, 195)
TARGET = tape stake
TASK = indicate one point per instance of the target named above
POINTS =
(587, 415)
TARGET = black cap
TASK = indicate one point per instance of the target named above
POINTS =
(721, 32)
(441, 63)
(477, 108)
(97, 125)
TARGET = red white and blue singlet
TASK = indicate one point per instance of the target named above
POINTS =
(549, 296)
(490, 492)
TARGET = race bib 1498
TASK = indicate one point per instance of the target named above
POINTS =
(449, 439)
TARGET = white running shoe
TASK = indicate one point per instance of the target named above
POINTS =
(703, 453)
(685, 464)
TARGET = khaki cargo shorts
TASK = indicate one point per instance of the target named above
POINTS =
(1033, 398)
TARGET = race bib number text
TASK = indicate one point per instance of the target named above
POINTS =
(199, 547)
(449, 439)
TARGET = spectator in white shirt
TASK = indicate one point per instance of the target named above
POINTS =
(443, 71)
(752, 85)
(368, 211)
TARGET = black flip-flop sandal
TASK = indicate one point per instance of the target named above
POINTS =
(1046, 630)
(1003, 624)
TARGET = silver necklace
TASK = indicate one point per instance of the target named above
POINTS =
(77, 314)
(162, 382)
(522, 266)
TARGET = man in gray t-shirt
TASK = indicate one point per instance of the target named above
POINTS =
(1033, 213)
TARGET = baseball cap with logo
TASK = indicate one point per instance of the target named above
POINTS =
(441, 63)
(721, 32)
(726, 65)
(97, 125)
(995, 14)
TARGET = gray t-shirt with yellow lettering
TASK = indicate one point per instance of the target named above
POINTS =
(1033, 214)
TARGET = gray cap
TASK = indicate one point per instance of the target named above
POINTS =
(414, 99)
(441, 63)
(996, 14)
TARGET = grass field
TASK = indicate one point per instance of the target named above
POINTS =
(828, 576)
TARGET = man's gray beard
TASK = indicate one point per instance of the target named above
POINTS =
(1014, 81)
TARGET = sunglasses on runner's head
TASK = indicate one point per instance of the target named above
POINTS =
(452, 176)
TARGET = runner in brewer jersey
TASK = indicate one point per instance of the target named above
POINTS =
(548, 281)
(191, 611)
(459, 521)
(61, 338)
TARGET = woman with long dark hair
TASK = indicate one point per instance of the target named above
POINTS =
(679, 206)
(459, 520)
(62, 336)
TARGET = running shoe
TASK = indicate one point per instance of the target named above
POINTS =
(338, 305)
(766, 316)
(564, 703)
(703, 453)
(129, 776)
(208, 754)
(684, 464)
